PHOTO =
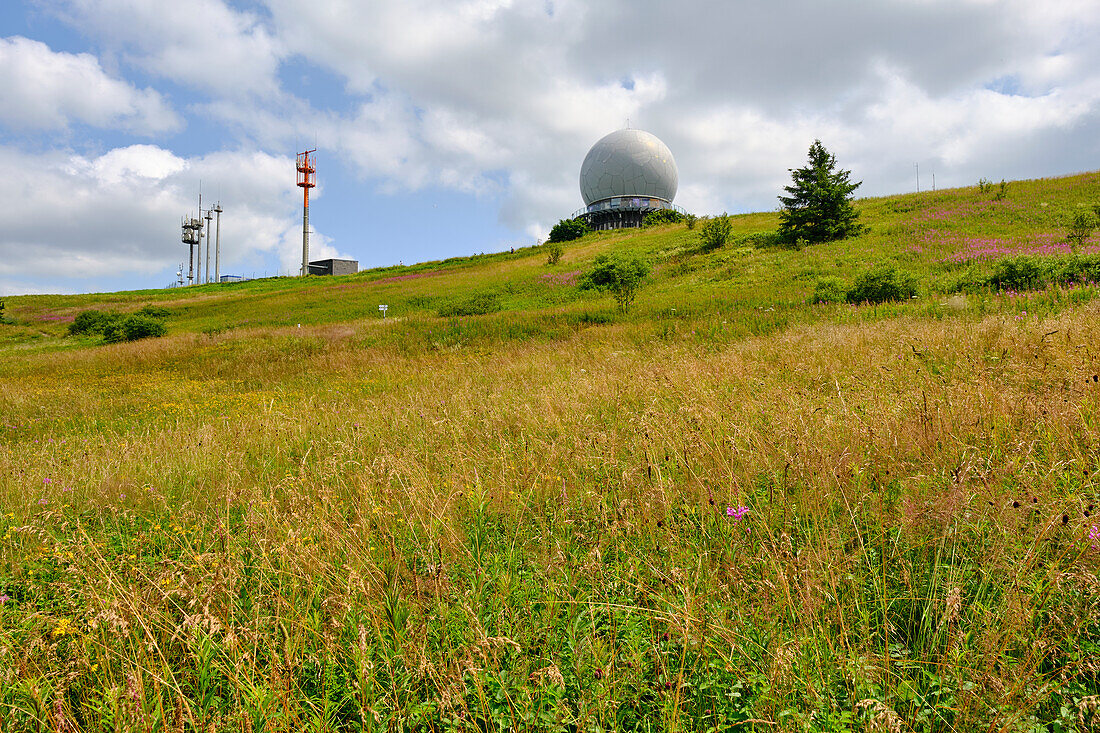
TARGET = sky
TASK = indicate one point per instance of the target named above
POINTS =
(453, 127)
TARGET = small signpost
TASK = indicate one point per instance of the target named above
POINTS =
(383, 309)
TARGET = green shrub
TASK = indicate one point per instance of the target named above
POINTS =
(691, 219)
(139, 326)
(661, 217)
(829, 290)
(1078, 268)
(1080, 229)
(882, 284)
(620, 274)
(567, 230)
(1017, 273)
(112, 333)
(477, 304)
(554, 251)
(132, 328)
(92, 321)
(716, 232)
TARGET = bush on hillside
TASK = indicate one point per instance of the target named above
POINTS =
(818, 207)
(691, 219)
(132, 328)
(715, 232)
(1077, 269)
(829, 290)
(92, 321)
(1025, 272)
(477, 304)
(661, 217)
(1018, 273)
(1080, 229)
(554, 251)
(882, 284)
(567, 230)
(622, 275)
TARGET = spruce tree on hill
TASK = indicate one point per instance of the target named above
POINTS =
(818, 207)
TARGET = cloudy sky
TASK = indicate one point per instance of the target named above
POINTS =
(448, 127)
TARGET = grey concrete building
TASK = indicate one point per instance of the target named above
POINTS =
(334, 267)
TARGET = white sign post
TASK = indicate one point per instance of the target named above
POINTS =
(383, 309)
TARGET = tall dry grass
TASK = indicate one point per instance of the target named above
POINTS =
(280, 529)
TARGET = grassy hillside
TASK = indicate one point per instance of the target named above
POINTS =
(731, 508)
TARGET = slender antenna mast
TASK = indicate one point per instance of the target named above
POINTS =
(218, 245)
(917, 166)
(198, 248)
(208, 217)
(306, 180)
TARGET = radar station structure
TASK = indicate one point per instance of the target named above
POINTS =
(306, 180)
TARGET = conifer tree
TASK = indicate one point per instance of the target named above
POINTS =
(818, 207)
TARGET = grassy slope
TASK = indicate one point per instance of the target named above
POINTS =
(519, 519)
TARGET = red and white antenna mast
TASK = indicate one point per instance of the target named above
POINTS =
(306, 180)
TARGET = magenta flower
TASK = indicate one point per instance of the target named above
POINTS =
(738, 513)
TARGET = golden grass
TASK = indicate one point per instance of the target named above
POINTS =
(334, 486)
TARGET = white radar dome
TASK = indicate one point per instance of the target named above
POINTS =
(629, 163)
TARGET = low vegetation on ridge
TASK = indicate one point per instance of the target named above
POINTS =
(737, 505)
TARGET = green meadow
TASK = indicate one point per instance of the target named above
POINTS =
(510, 506)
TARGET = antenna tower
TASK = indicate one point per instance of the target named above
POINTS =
(218, 245)
(306, 180)
(191, 237)
(208, 217)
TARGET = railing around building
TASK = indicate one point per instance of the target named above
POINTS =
(628, 203)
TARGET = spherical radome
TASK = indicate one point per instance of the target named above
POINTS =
(629, 163)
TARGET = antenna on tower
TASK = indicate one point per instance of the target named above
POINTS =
(306, 180)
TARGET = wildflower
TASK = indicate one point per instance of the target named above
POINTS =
(43, 501)
(737, 514)
(4, 599)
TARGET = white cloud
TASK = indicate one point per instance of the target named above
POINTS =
(46, 90)
(201, 43)
(503, 98)
(457, 90)
(122, 212)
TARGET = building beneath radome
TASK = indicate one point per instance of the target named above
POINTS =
(625, 176)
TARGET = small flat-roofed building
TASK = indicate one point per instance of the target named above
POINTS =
(334, 267)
